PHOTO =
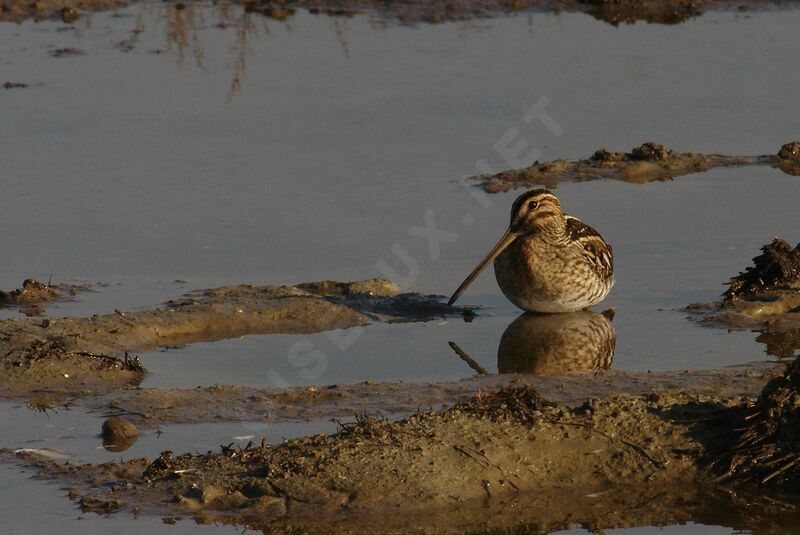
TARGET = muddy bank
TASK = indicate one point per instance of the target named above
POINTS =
(62, 355)
(151, 406)
(646, 163)
(500, 449)
(47, 367)
(764, 297)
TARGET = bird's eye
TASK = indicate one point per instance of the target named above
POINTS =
(532, 205)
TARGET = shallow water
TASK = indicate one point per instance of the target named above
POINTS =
(74, 434)
(55, 513)
(271, 152)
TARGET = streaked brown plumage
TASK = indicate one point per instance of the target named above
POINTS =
(554, 343)
(548, 261)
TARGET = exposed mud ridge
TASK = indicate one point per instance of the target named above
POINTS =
(202, 316)
(33, 295)
(47, 366)
(419, 11)
(646, 163)
(600, 464)
(416, 11)
(154, 406)
(765, 297)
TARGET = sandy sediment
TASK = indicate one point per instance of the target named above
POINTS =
(501, 449)
(78, 355)
(646, 163)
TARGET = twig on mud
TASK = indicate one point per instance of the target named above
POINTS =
(638, 448)
(781, 470)
(484, 462)
(466, 358)
(123, 410)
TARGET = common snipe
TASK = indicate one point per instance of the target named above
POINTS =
(548, 261)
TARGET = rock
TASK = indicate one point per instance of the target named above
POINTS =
(119, 434)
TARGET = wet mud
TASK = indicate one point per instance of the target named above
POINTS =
(646, 458)
(154, 406)
(646, 163)
(764, 297)
(47, 366)
(80, 355)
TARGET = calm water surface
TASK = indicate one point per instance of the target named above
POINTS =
(179, 153)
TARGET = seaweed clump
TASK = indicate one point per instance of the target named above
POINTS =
(520, 403)
(790, 151)
(777, 268)
(767, 448)
(789, 158)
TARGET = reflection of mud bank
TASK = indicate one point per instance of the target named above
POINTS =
(646, 163)
(417, 11)
(502, 446)
(765, 297)
(69, 348)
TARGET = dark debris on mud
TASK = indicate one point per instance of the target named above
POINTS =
(521, 403)
(764, 297)
(777, 268)
(766, 436)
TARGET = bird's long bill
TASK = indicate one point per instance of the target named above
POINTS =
(504, 242)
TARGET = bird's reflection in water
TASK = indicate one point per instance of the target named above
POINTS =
(553, 343)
